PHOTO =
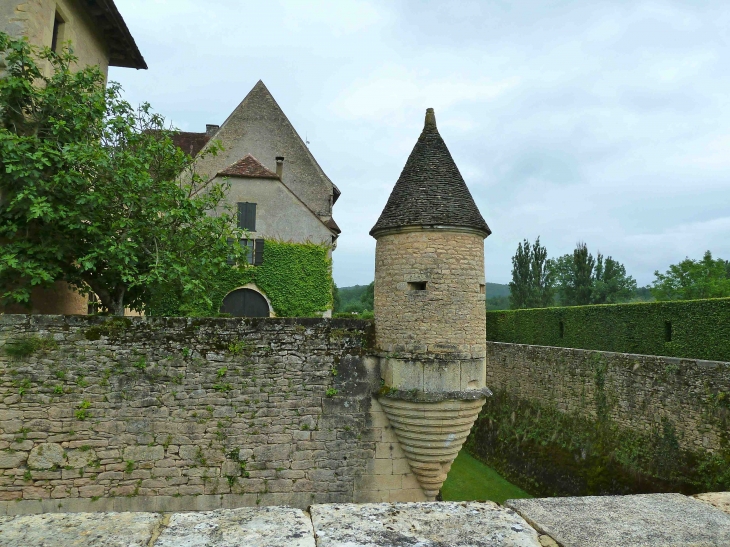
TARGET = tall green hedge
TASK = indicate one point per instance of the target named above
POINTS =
(296, 277)
(698, 329)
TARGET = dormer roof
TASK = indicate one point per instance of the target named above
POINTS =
(430, 190)
(248, 166)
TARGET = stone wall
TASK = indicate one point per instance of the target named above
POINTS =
(34, 19)
(159, 413)
(582, 422)
(640, 390)
(449, 315)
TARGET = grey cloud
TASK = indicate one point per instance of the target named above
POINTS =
(600, 121)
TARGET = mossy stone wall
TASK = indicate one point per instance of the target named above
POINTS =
(576, 422)
(101, 414)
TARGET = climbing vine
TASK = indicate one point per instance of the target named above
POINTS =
(296, 278)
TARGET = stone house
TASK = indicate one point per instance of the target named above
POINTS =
(276, 185)
(96, 29)
(99, 36)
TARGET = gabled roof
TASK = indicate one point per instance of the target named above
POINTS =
(123, 50)
(189, 142)
(259, 126)
(430, 190)
(248, 166)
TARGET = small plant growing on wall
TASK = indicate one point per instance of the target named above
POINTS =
(83, 411)
(28, 345)
(237, 348)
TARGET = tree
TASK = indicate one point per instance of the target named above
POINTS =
(368, 297)
(582, 279)
(95, 193)
(531, 285)
(610, 282)
(691, 279)
(336, 301)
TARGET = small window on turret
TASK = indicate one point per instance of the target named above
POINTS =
(416, 285)
(482, 288)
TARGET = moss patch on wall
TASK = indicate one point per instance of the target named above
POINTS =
(551, 453)
(698, 329)
(296, 277)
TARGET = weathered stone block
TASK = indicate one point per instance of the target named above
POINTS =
(143, 453)
(454, 524)
(670, 520)
(45, 456)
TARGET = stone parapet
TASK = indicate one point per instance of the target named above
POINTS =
(658, 520)
(149, 413)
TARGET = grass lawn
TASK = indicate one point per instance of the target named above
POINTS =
(471, 480)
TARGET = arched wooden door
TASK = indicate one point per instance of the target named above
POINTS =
(245, 303)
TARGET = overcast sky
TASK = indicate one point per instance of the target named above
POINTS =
(603, 122)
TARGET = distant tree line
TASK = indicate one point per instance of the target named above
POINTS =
(354, 301)
(579, 279)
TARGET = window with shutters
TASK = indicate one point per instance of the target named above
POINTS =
(254, 251)
(247, 216)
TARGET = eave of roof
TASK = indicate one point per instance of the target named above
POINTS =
(123, 50)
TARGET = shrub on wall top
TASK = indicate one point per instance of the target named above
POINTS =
(698, 329)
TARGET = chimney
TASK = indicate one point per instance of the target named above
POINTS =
(279, 166)
(211, 129)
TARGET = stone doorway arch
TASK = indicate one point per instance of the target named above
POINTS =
(246, 302)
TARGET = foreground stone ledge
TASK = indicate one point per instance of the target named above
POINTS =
(721, 500)
(646, 520)
(456, 524)
(79, 530)
(270, 526)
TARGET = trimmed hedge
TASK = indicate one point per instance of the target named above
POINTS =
(697, 329)
(296, 277)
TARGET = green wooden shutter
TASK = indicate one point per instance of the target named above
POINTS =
(247, 216)
(241, 215)
(258, 256)
(251, 217)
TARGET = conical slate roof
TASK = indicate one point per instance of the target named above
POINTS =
(430, 190)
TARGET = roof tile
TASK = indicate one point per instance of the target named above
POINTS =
(248, 167)
(430, 190)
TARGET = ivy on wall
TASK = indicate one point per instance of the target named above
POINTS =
(295, 277)
(698, 329)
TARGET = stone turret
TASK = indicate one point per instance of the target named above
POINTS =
(430, 309)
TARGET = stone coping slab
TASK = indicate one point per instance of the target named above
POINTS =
(721, 500)
(79, 530)
(645, 520)
(245, 527)
(440, 524)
